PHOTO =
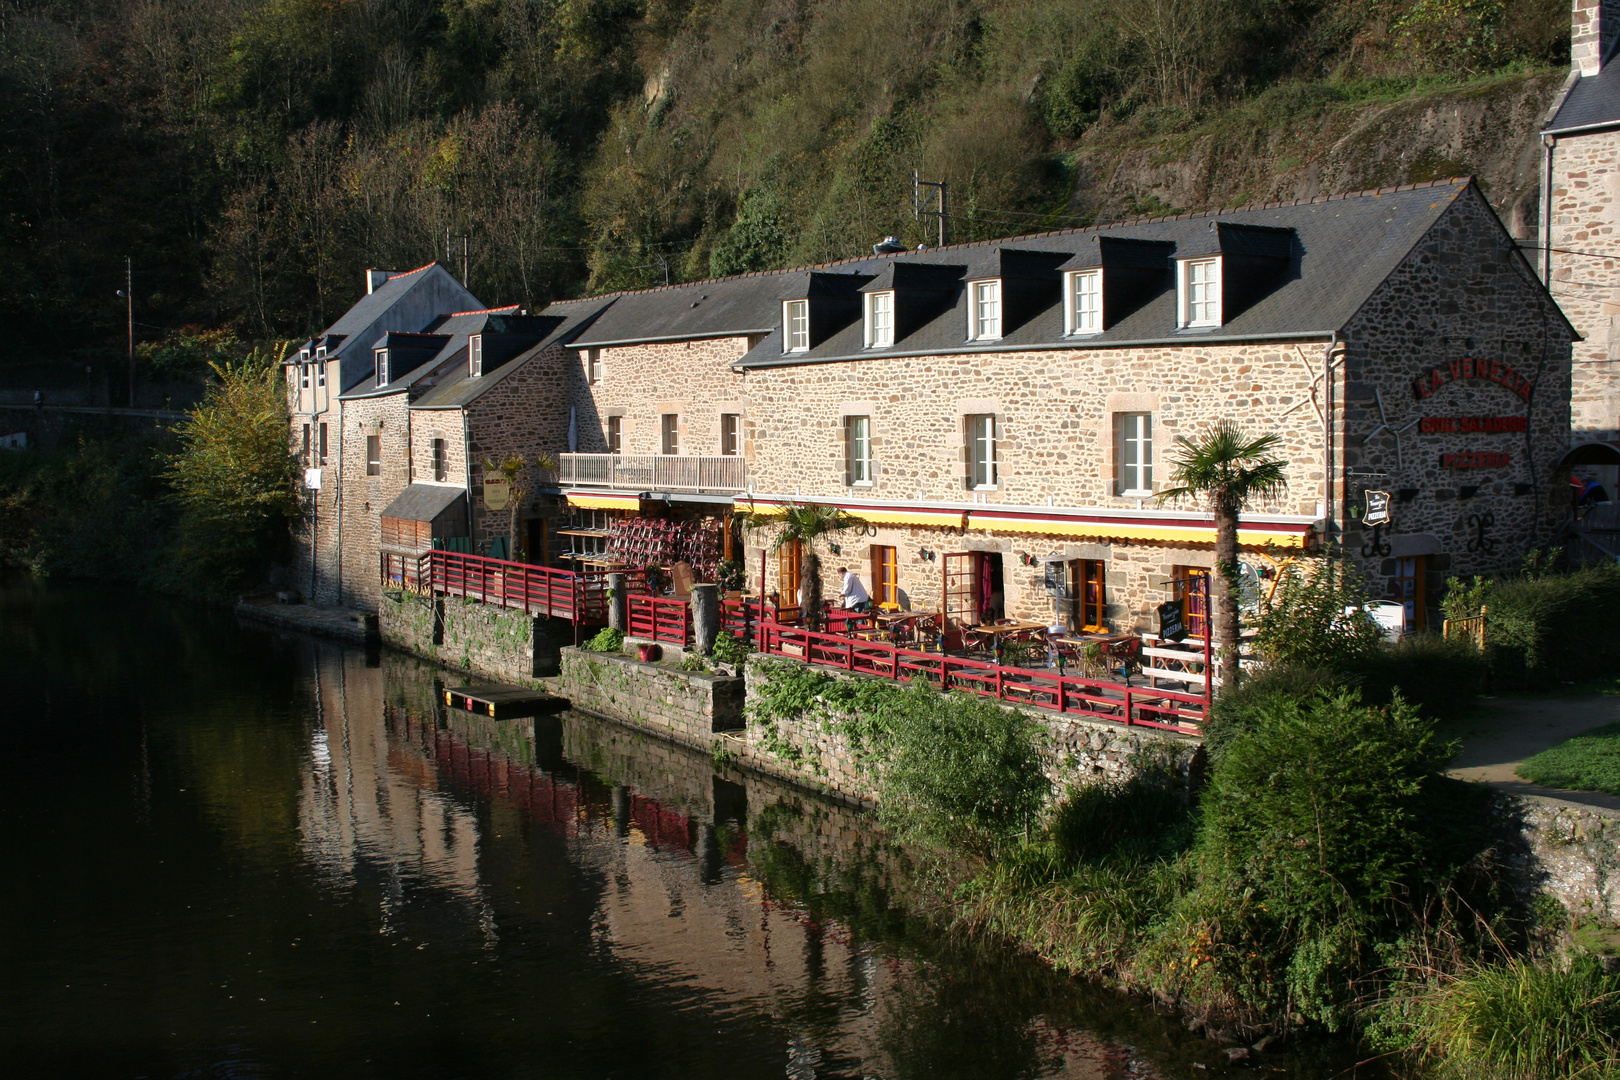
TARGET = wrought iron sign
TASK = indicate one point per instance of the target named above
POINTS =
(1376, 511)
(1480, 524)
(1377, 545)
(1470, 367)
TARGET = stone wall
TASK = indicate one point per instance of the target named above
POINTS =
(1464, 303)
(812, 750)
(686, 706)
(1586, 272)
(365, 496)
(526, 414)
(500, 643)
(1568, 851)
(640, 383)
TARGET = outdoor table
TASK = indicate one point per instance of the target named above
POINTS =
(842, 620)
(889, 625)
(993, 635)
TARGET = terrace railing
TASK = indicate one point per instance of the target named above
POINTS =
(726, 474)
(659, 618)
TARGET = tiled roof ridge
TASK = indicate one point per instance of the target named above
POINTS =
(1370, 193)
(486, 311)
(418, 270)
(416, 333)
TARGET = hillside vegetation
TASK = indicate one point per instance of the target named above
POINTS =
(253, 155)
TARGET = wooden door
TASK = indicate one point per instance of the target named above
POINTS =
(960, 588)
(1190, 582)
(1409, 577)
(885, 576)
(1090, 591)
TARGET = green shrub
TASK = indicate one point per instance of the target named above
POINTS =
(1319, 805)
(1540, 630)
(962, 771)
(1236, 708)
(1144, 815)
(606, 640)
(1517, 1020)
(1442, 677)
(1305, 622)
(727, 649)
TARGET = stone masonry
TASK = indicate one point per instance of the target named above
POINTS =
(1585, 265)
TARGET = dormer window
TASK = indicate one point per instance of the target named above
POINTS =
(795, 326)
(475, 355)
(320, 352)
(879, 320)
(382, 367)
(303, 356)
(1083, 303)
(1200, 292)
(984, 314)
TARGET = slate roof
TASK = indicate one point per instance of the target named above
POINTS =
(1342, 250)
(1594, 99)
(422, 502)
(451, 332)
(456, 389)
(404, 302)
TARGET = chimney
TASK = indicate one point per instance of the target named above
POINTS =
(1593, 25)
(375, 278)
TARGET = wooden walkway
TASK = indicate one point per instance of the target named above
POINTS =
(500, 700)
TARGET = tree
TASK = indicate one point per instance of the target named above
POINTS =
(806, 523)
(234, 476)
(1228, 469)
(516, 470)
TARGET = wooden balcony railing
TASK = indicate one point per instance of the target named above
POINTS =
(654, 472)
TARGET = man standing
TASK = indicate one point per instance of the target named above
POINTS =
(852, 592)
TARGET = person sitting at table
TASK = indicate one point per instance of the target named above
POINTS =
(852, 592)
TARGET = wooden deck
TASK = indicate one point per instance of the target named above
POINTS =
(500, 700)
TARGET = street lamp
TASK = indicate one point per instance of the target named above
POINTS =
(128, 293)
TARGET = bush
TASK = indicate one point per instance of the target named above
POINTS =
(1442, 677)
(606, 640)
(727, 649)
(1558, 627)
(1145, 815)
(962, 771)
(1237, 708)
(1305, 623)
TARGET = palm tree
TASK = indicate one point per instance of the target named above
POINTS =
(806, 523)
(1229, 469)
(516, 470)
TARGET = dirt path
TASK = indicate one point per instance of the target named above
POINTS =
(1513, 729)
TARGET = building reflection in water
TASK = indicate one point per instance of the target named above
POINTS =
(399, 795)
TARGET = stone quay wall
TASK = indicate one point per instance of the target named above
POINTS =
(500, 643)
(687, 707)
(1565, 850)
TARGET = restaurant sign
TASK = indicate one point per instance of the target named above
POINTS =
(1472, 425)
(1173, 620)
(497, 492)
(1470, 367)
(1377, 508)
(1478, 459)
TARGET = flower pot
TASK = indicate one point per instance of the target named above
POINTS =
(648, 651)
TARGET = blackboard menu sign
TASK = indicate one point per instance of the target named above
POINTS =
(1054, 579)
(1173, 620)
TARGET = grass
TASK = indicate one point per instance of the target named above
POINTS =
(1588, 762)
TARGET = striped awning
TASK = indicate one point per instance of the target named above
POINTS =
(604, 502)
(1164, 532)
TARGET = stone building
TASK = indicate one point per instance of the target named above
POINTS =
(1580, 233)
(1003, 414)
(396, 409)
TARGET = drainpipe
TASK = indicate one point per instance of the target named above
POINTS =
(466, 464)
(1549, 141)
(1328, 499)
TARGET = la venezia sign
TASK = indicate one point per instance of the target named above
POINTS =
(1471, 367)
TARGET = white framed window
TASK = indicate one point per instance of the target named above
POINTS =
(1200, 292)
(303, 356)
(879, 320)
(305, 458)
(320, 375)
(615, 433)
(593, 366)
(373, 455)
(441, 461)
(323, 446)
(382, 367)
(320, 352)
(1134, 434)
(795, 325)
(1084, 302)
(858, 450)
(730, 434)
(984, 309)
(670, 426)
(303, 376)
(981, 448)
(475, 355)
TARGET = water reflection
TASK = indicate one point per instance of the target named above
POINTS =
(242, 853)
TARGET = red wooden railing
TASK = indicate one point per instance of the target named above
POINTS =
(1071, 695)
(659, 618)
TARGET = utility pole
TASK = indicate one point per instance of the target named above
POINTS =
(128, 293)
(919, 204)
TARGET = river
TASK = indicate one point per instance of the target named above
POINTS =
(237, 852)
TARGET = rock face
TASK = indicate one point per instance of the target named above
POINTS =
(1299, 151)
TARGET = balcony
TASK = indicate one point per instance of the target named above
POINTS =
(654, 472)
